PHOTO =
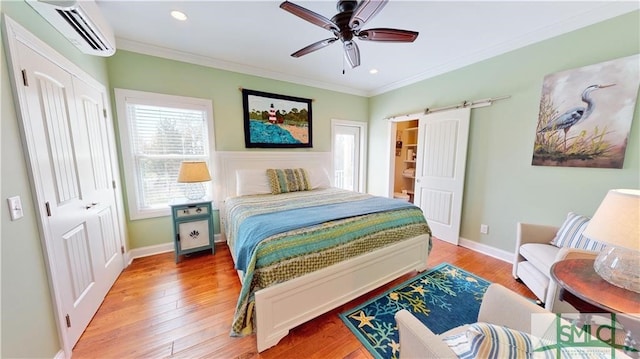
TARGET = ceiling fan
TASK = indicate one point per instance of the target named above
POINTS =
(346, 26)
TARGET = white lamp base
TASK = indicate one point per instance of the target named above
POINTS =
(194, 191)
(620, 267)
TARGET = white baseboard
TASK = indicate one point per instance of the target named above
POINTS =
(156, 249)
(488, 250)
(149, 251)
(60, 355)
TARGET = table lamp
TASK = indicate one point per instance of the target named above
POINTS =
(615, 223)
(193, 173)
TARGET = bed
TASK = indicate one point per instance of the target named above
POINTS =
(347, 244)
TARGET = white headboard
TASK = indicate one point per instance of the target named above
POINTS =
(229, 162)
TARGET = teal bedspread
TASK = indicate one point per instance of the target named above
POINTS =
(283, 256)
(256, 228)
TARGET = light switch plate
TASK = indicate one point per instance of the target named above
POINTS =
(15, 207)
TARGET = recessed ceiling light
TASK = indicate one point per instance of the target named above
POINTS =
(178, 15)
(373, 71)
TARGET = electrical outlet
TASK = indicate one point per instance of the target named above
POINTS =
(484, 229)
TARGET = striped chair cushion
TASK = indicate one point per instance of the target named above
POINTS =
(288, 180)
(485, 340)
(570, 234)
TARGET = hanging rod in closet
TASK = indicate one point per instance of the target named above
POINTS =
(472, 104)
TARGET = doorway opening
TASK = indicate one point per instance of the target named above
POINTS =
(404, 166)
(427, 160)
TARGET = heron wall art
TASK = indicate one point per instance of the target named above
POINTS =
(585, 115)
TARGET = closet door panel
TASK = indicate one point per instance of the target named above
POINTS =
(66, 136)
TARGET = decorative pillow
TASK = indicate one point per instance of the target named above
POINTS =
(570, 234)
(288, 180)
(485, 340)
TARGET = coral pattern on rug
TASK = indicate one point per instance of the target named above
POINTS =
(442, 298)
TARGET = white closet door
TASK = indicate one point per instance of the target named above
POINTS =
(98, 183)
(68, 144)
(440, 170)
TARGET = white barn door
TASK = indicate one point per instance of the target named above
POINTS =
(71, 151)
(440, 170)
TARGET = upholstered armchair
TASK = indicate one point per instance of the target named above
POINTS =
(538, 247)
(500, 306)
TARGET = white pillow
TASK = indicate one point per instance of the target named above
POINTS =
(252, 182)
(318, 177)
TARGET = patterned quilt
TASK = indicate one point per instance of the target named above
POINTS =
(291, 254)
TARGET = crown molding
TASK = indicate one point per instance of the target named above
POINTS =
(578, 21)
(605, 12)
(163, 52)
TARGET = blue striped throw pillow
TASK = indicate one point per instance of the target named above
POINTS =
(485, 340)
(570, 234)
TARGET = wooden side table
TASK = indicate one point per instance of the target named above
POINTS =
(586, 291)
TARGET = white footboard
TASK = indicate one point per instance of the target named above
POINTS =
(287, 305)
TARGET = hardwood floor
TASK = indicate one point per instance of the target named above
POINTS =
(159, 309)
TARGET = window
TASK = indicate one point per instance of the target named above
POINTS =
(349, 148)
(157, 133)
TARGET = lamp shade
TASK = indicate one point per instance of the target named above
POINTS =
(616, 220)
(193, 172)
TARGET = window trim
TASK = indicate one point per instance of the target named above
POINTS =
(122, 97)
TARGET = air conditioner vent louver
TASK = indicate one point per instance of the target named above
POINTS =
(80, 22)
(77, 22)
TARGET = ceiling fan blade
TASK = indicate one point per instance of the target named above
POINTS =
(366, 10)
(390, 35)
(309, 15)
(352, 53)
(315, 46)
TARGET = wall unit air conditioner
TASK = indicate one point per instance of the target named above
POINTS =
(80, 22)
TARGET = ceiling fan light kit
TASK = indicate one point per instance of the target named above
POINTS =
(346, 25)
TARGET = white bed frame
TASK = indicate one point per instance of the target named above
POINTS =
(284, 306)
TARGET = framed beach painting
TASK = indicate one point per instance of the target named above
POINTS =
(276, 121)
(586, 113)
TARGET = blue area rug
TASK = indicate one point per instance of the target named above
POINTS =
(442, 298)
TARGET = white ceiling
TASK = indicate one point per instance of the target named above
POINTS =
(257, 37)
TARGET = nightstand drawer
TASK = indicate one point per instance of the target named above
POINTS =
(191, 211)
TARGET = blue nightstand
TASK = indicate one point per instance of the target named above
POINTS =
(192, 227)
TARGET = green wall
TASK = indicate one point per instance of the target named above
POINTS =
(502, 187)
(28, 323)
(135, 71)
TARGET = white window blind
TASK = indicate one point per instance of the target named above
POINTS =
(160, 135)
